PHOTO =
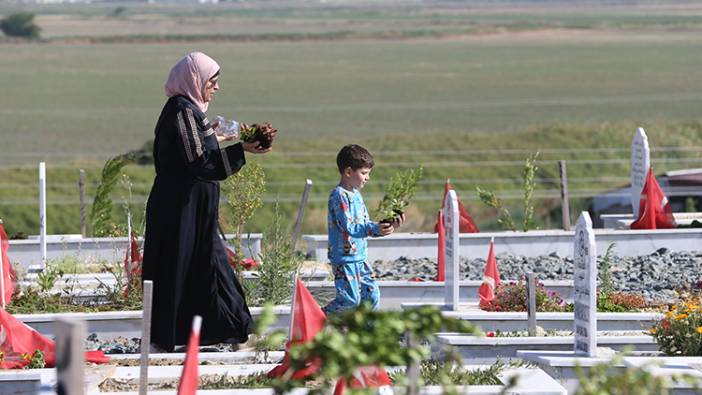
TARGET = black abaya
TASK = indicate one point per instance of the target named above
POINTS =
(183, 254)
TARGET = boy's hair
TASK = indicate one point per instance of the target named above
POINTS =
(355, 157)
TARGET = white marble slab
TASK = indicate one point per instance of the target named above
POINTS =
(529, 244)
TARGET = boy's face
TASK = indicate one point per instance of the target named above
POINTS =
(357, 178)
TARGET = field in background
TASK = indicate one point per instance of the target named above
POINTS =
(467, 89)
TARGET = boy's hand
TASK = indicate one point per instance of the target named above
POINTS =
(386, 228)
(398, 221)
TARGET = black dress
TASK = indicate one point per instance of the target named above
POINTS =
(183, 254)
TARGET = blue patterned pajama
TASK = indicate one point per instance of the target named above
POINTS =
(354, 285)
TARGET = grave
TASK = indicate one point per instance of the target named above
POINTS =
(640, 163)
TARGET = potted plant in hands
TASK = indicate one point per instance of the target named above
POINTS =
(261, 132)
(398, 194)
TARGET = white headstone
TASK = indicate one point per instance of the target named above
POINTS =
(640, 163)
(42, 213)
(451, 260)
(70, 359)
(584, 295)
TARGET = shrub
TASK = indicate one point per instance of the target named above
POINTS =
(512, 296)
(101, 211)
(433, 372)
(20, 25)
(679, 333)
(279, 263)
(617, 302)
(504, 216)
(363, 337)
(244, 195)
(621, 301)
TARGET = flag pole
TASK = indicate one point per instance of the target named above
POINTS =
(292, 308)
(301, 213)
(129, 251)
(2, 271)
(145, 337)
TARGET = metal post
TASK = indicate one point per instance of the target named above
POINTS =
(301, 212)
(145, 337)
(2, 274)
(81, 191)
(129, 251)
(531, 303)
(42, 213)
(292, 308)
(412, 369)
(70, 357)
(565, 200)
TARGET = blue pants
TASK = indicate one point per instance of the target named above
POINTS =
(354, 285)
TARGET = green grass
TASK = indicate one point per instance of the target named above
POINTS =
(85, 100)
(599, 161)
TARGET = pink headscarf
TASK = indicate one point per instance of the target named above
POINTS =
(189, 77)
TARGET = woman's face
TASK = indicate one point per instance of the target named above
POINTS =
(211, 87)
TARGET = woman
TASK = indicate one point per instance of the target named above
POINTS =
(183, 254)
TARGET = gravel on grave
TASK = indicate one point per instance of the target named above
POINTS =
(657, 276)
(121, 345)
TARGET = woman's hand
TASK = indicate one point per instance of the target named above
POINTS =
(254, 147)
(222, 138)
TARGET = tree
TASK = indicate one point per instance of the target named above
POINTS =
(20, 25)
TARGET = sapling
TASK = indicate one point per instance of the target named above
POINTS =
(258, 132)
(504, 218)
(244, 195)
(398, 194)
(529, 173)
(606, 286)
(101, 211)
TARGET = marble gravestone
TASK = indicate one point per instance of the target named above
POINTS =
(451, 260)
(640, 163)
(584, 295)
(70, 359)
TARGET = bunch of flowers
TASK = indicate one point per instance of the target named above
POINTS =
(679, 333)
(620, 302)
(512, 296)
(261, 132)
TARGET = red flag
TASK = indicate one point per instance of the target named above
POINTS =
(365, 377)
(654, 208)
(441, 250)
(189, 379)
(133, 266)
(7, 272)
(491, 278)
(465, 222)
(247, 264)
(21, 339)
(307, 320)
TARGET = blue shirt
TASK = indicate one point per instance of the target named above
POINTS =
(348, 226)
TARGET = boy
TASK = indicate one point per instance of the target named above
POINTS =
(348, 227)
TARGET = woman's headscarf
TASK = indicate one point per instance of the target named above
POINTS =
(189, 77)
